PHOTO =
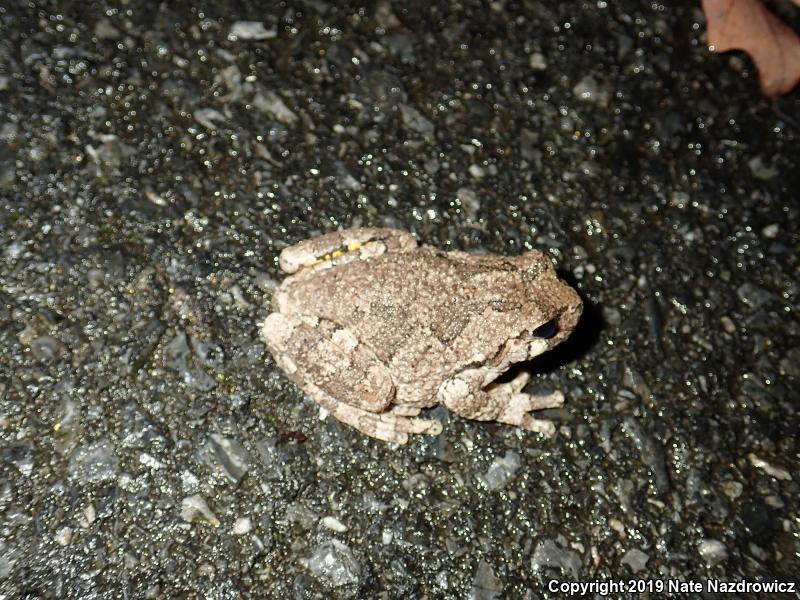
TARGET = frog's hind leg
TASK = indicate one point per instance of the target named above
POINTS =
(343, 246)
(313, 350)
(388, 426)
(341, 375)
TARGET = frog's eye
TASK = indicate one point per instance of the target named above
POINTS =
(547, 330)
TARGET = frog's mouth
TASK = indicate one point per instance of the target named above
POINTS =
(530, 344)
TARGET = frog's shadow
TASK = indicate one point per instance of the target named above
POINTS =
(578, 344)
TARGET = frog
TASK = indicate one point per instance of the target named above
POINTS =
(375, 328)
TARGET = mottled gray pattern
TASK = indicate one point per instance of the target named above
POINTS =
(416, 327)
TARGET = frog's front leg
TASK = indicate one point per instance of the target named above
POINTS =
(341, 375)
(343, 246)
(468, 395)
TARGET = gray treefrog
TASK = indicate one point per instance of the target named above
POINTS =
(375, 328)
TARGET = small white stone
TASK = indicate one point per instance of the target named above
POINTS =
(771, 231)
(712, 551)
(189, 481)
(89, 515)
(334, 524)
(194, 506)
(732, 489)
(589, 89)
(251, 30)
(537, 61)
(207, 117)
(616, 525)
(769, 469)
(476, 171)
(242, 526)
(502, 470)
(64, 536)
(727, 324)
(761, 170)
(151, 462)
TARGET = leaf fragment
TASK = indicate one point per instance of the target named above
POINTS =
(749, 26)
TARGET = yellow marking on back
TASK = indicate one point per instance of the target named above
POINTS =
(354, 247)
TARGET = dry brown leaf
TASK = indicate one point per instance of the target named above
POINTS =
(748, 25)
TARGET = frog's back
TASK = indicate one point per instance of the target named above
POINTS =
(400, 300)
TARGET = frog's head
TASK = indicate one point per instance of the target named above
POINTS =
(551, 309)
(522, 302)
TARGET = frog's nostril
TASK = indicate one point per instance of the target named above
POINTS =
(547, 330)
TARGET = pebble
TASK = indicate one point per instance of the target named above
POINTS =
(548, 554)
(502, 470)
(194, 508)
(635, 559)
(333, 563)
(242, 526)
(251, 30)
(537, 61)
(94, 462)
(712, 551)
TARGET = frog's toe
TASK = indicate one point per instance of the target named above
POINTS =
(422, 426)
(405, 411)
(543, 426)
(528, 402)
(520, 381)
(392, 428)
(411, 424)
(519, 405)
(383, 430)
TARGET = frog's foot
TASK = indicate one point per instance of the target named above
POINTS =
(515, 412)
(343, 246)
(392, 428)
(503, 402)
(387, 426)
(515, 405)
